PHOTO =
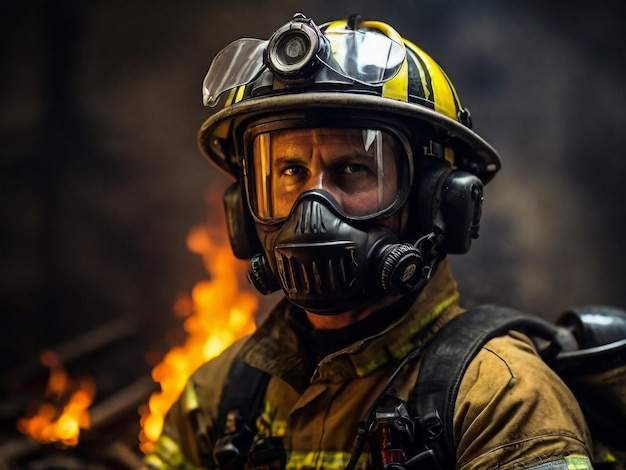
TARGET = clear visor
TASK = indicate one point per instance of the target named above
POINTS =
(365, 56)
(366, 171)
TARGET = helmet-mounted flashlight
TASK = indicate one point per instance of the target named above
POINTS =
(294, 50)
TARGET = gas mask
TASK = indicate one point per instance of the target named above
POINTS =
(327, 209)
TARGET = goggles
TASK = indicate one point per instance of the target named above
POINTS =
(366, 171)
(299, 50)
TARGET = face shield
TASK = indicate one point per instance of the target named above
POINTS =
(366, 171)
(298, 50)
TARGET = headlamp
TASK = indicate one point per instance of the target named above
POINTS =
(294, 50)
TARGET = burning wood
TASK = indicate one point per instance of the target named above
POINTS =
(63, 412)
(51, 425)
(104, 415)
(218, 312)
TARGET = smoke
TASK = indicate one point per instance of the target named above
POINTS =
(102, 179)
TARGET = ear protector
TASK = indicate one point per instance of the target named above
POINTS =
(448, 202)
(461, 209)
(241, 229)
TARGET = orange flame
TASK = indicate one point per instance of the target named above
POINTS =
(222, 311)
(64, 412)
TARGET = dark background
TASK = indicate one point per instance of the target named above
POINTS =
(101, 179)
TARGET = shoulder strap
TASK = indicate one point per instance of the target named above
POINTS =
(243, 391)
(451, 351)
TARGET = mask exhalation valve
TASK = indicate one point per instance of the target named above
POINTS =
(400, 269)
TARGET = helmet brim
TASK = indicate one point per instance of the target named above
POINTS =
(485, 160)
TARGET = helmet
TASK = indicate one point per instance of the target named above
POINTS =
(364, 78)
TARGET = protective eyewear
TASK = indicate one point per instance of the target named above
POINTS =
(366, 171)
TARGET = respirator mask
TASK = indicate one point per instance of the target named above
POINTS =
(327, 203)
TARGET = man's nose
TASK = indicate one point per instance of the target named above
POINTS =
(318, 180)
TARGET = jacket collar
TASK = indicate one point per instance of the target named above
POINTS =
(275, 348)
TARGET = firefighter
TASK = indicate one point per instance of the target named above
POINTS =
(356, 172)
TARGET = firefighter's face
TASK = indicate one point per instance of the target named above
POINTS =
(358, 167)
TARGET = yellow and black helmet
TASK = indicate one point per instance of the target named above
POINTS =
(347, 66)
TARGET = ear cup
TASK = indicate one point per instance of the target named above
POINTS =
(461, 208)
(241, 229)
(427, 211)
(449, 201)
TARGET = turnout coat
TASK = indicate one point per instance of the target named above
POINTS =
(512, 411)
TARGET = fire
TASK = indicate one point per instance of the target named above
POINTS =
(64, 411)
(218, 312)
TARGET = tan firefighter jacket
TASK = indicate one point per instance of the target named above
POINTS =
(512, 411)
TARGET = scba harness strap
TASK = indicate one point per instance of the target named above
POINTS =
(240, 405)
(452, 350)
(430, 412)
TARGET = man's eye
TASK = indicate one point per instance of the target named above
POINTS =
(293, 170)
(354, 168)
